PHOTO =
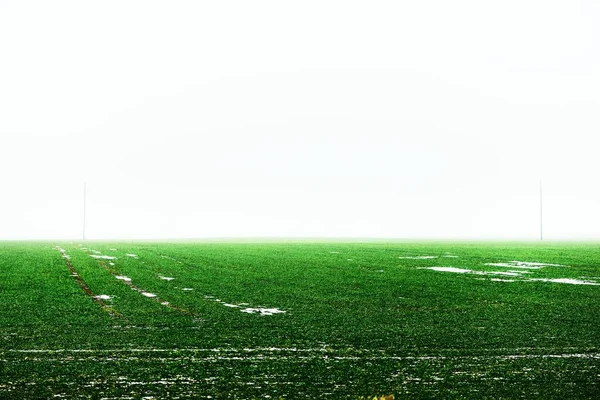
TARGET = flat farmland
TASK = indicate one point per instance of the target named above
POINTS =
(299, 320)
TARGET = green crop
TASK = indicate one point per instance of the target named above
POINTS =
(299, 320)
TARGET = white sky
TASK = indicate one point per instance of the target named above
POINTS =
(414, 119)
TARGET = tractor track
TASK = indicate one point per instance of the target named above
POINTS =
(86, 289)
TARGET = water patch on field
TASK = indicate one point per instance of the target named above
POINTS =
(262, 311)
(499, 273)
(131, 255)
(539, 264)
(248, 310)
(123, 278)
(166, 278)
(565, 280)
(334, 252)
(103, 297)
(523, 264)
(147, 294)
(103, 257)
(451, 269)
(470, 271)
(515, 273)
(186, 289)
(511, 265)
(113, 249)
(417, 257)
(95, 252)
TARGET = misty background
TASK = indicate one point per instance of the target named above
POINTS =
(428, 119)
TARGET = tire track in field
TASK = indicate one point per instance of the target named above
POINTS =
(243, 307)
(151, 296)
(86, 289)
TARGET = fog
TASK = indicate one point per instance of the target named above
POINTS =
(379, 119)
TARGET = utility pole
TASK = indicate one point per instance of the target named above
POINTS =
(541, 215)
(84, 206)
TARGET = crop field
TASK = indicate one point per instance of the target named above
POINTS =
(299, 320)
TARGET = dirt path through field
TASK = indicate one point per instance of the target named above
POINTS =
(86, 289)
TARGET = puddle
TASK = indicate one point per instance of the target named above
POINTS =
(470, 271)
(148, 294)
(131, 255)
(187, 289)
(166, 278)
(565, 280)
(523, 264)
(539, 264)
(103, 297)
(450, 256)
(248, 310)
(511, 265)
(499, 273)
(95, 252)
(452, 269)
(334, 252)
(417, 257)
(103, 257)
(514, 274)
(123, 278)
(262, 311)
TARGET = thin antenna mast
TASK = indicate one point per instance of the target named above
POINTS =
(541, 215)
(84, 206)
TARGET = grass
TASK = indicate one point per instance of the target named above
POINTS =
(357, 321)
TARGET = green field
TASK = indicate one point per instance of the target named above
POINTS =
(299, 320)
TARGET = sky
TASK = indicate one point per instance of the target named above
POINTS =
(373, 119)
